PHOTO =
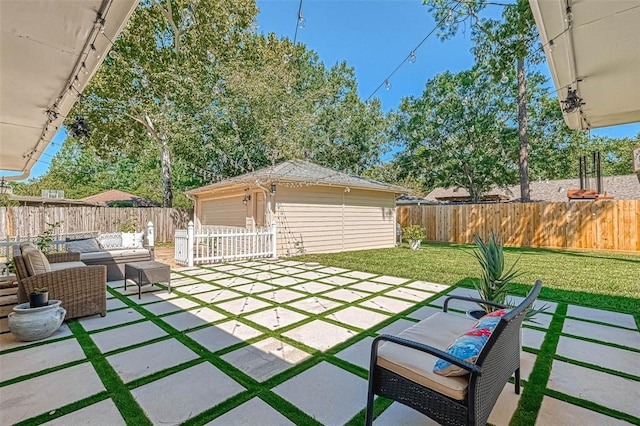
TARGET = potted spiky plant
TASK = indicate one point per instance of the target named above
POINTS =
(493, 284)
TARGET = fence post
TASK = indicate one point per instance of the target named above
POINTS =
(274, 241)
(190, 243)
(150, 235)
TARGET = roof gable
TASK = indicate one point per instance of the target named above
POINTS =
(304, 172)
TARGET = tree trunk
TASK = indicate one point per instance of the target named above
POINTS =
(522, 133)
(165, 158)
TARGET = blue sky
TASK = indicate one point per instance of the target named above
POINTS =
(373, 37)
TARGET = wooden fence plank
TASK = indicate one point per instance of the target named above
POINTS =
(33, 220)
(609, 225)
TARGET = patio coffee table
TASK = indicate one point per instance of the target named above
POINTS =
(148, 272)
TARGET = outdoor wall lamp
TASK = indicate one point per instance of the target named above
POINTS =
(4, 187)
(273, 188)
(246, 199)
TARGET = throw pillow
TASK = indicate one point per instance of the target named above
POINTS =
(35, 261)
(132, 239)
(110, 240)
(466, 347)
(490, 320)
(86, 245)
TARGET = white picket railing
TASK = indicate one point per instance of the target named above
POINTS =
(223, 244)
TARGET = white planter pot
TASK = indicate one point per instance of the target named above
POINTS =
(28, 324)
(415, 245)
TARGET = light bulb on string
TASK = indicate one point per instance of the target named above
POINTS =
(412, 57)
(84, 69)
(449, 20)
(387, 85)
(439, 120)
(301, 21)
(465, 101)
(551, 46)
(504, 78)
(95, 51)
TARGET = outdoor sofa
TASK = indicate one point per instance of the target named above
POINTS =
(113, 250)
(403, 367)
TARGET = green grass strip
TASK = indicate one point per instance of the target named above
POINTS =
(532, 394)
(594, 407)
(116, 389)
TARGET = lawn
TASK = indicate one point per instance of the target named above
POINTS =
(598, 279)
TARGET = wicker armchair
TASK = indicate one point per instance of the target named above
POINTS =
(82, 289)
(476, 393)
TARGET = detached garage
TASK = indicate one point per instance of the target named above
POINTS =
(315, 209)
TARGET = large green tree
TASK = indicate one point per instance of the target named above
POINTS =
(457, 134)
(506, 45)
(194, 83)
(158, 77)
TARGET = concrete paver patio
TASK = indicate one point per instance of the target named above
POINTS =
(286, 343)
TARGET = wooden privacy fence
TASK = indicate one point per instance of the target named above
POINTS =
(31, 221)
(610, 225)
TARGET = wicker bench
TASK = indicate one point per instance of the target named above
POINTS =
(401, 366)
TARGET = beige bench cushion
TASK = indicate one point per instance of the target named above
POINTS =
(439, 330)
(66, 265)
(35, 261)
(115, 254)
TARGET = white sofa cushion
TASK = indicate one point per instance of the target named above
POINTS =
(132, 239)
(110, 240)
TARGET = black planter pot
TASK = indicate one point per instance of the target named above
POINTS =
(37, 300)
(476, 313)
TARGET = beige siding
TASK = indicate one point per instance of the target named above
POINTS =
(227, 211)
(328, 219)
(369, 220)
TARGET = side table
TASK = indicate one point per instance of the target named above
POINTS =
(148, 272)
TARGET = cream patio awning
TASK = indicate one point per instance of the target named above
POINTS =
(49, 50)
(593, 47)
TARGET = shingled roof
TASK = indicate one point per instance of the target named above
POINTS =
(115, 195)
(302, 172)
(625, 187)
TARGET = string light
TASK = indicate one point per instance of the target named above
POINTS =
(387, 85)
(301, 21)
(412, 57)
(504, 78)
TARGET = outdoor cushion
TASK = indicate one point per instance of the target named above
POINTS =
(114, 254)
(86, 245)
(111, 240)
(66, 265)
(418, 366)
(27, 244)
(35, 261)
(466, 347)
(132, 239)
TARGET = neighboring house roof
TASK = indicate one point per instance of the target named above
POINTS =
(303, 172)
(411, 200)
(29, 200)
(625, 187)
(114, 195)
